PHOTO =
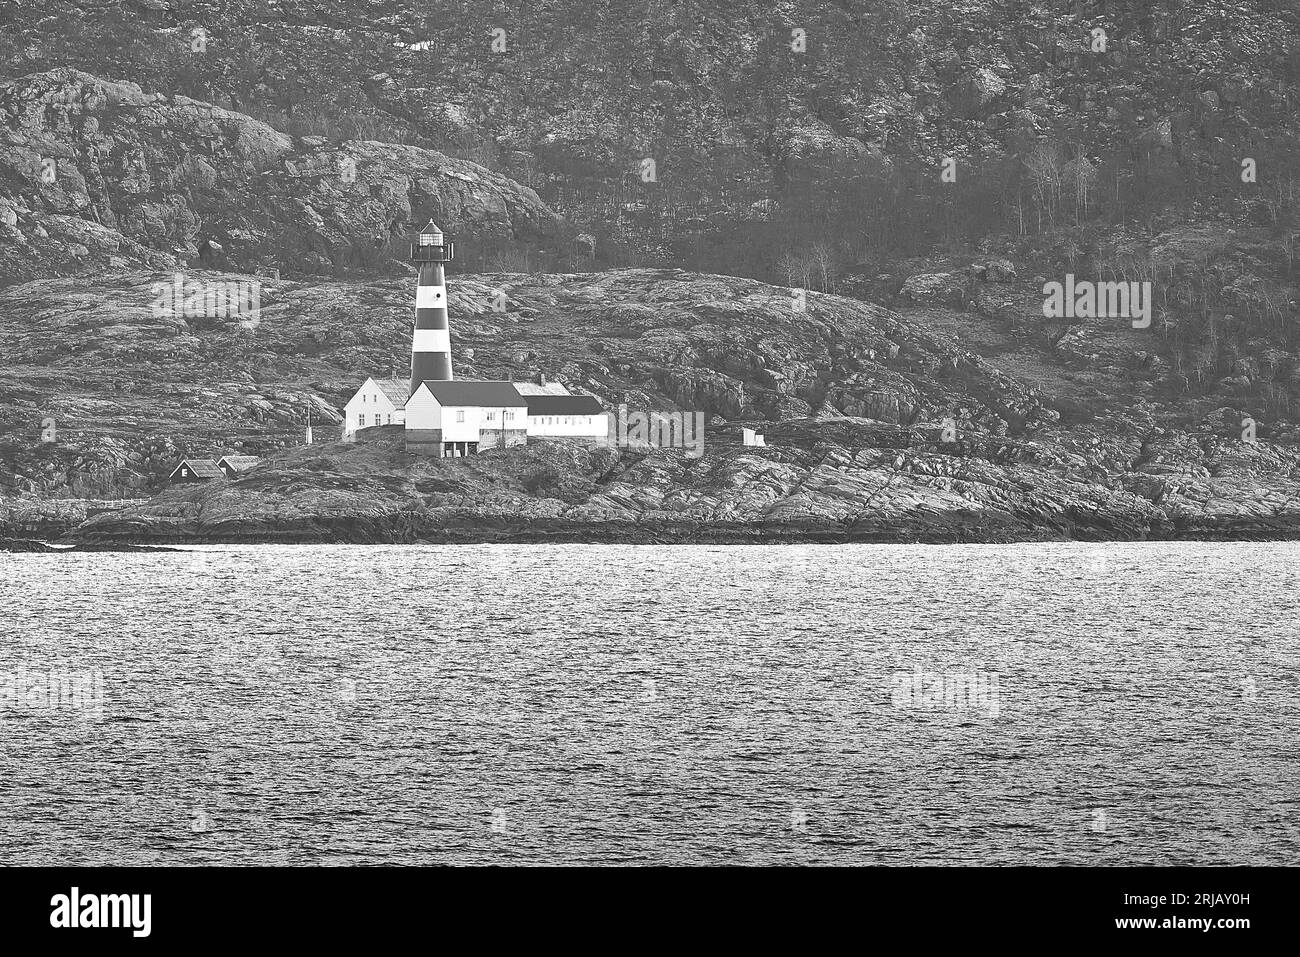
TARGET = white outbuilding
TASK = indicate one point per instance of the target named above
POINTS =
(377, 402)
(566, 416)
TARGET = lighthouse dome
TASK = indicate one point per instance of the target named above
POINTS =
(430, 235)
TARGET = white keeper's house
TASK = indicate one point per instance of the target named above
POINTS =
(377, 402)
(442, 417)
(461, 418)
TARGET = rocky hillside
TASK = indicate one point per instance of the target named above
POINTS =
(771, 124)
(839, 147)
(131, 387)
(99, 175)
(879, 424)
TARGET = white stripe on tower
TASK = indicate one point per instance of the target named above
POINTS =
(431, 297)
(431, 341)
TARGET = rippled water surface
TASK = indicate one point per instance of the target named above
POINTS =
(652, 704)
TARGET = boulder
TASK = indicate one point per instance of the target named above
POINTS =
(935, 289)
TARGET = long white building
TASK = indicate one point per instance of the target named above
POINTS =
(566, 416)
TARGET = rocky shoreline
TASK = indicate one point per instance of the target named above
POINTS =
(49, 548)
(827, 482)
(959, 533)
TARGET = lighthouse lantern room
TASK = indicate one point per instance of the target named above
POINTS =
(431, 247)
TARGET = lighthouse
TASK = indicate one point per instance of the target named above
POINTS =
(431, 341)
(442, 418)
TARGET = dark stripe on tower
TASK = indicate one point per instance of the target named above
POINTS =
(431, 362)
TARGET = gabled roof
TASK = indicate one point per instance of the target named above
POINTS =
(395, 390)
(203, 468)
(493, 395)
(563, 405)
(240, 463)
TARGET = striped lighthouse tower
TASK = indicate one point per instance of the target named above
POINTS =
(431, 342)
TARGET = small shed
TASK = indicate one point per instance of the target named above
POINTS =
(195, 470)
(232, 465)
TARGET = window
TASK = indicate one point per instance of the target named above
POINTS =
(510, 415)
(460, 415)
(361, 421)
(491, 416)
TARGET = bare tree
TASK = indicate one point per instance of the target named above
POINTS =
(795, 267)
(822, 260)
(1081, 172)
(1046, 174)
(789, 267)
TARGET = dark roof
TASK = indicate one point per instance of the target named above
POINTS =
(494, 395)
(240, 463)
(204, 468)
(563, 405)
